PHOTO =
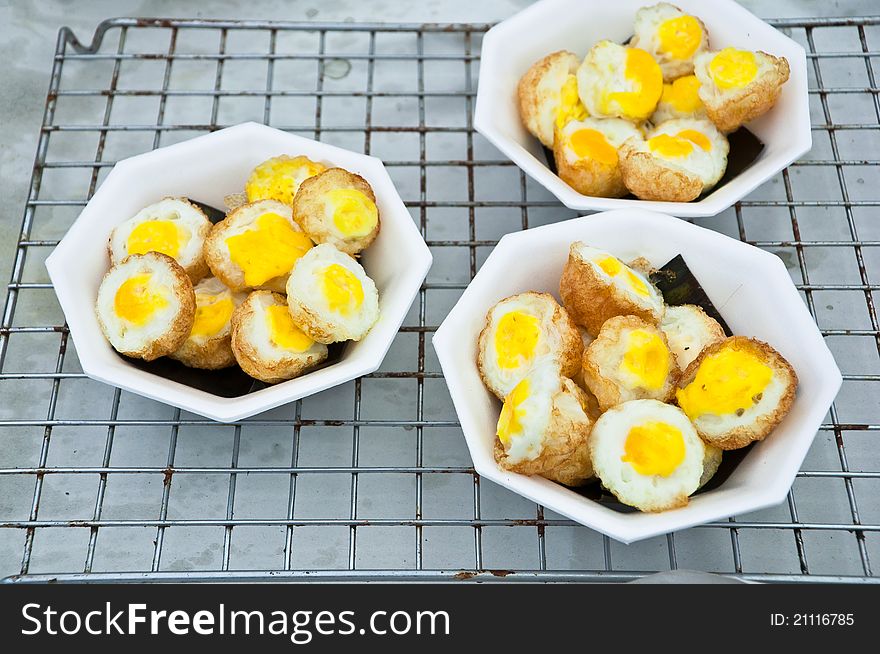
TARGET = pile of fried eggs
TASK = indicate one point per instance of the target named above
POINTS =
(648, 118)
(267, 288)
(613, 385)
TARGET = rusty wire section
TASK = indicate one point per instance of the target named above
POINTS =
(376, 484)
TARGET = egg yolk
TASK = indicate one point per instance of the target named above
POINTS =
(516, 338)
(647, 358)
(267, 250)
(612, 267)
(680, 37)
(682, 94)
(163, 236)
(670, 147)
(570, 105)
(694, 136)
(342, 289)
(733, 69)
(647, 81)
(212, 314)
(284, 332)
(726, 382)
(136, 301)
(654, 448)
(354, 214)
(279, 178)
(512, 413)
(592, 144)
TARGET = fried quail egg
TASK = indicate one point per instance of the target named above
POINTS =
(648, 454)
(146, 305)
(596, 286)
(548, 95)
(629, 360)
(331, 297)
(279, 178)
(737, 391)
(680, 99)
(544, 429)
(172, 226)
(256, 246)
(524, 331)
(267, 343)
(615, 81)
(671, 36)
(689, 330)
(679, 160)
(208, 345)
(338, 207)
(586, 155)
(737, 86)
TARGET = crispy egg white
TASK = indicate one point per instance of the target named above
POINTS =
(279, 178)
(671, 36)
(648, 454)
(689, 330)
(172, 226)
(548, 95)
(331, 296)
(626, 281)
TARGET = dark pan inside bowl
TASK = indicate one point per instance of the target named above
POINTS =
(228, 382)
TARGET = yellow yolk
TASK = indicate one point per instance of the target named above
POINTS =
(647, 358)
(654, 448)
(680, 37)
(354, 214)
(512, 413)
(670, 147)
(682, 94)
(163, 236)
(342, 289)
(284, 332)
(733, 69)
(279, 178)
(212, 314)
(136, 302)
(636, 283)
(610, 265)
(592, 144)
(647, 80)
(516, 338)
(696, 137)
(268, 250)
(570, 105)
(726, 382)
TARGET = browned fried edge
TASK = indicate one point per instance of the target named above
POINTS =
(527, 96)
(649, 178)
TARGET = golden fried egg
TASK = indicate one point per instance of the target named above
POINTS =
(267, 343)
(279, 178)
(737, 86)
(172, 226)
(586, 155)
(524, 331)
(548, 95)
(629, 360)
(338, 207)
(615, 81)
(596, 286)
(146, 305)
(680, 99)
(331, 296)
(671, 36)
(737, 391)
(256, 246)
(208, 345)
(689, 330)
(648, 454)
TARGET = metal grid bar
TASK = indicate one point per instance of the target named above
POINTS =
(337, 513)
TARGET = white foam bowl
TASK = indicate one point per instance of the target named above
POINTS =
(750, 288)
(206, 169)
(512, 46)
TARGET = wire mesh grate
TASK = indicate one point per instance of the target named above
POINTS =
(372, 480)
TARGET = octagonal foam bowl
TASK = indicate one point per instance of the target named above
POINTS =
(206, 169)
(512, 46)
(751, 289)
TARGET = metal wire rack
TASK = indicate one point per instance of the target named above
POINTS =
(371, 480)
